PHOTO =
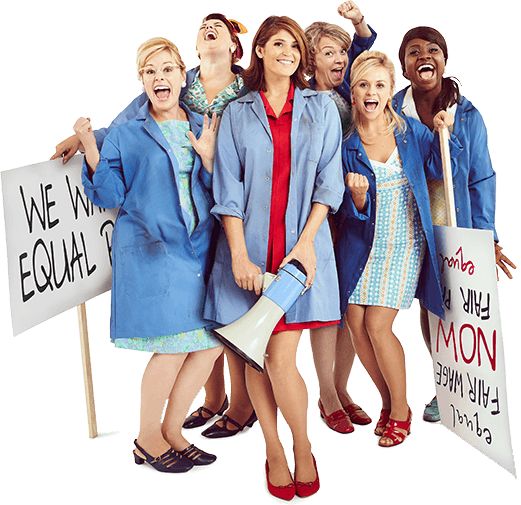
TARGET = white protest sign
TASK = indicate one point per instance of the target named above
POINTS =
(58, 242)
(467, 348)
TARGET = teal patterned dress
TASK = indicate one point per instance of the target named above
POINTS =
(195, 97)
(175, 133)
(393, 268)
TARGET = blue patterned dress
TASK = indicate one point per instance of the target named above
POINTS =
(195, 97)
(175, 133)
(393, 268)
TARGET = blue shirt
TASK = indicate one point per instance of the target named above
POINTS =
(420, 159)
(242, 188)
(158, 267)
(473, 176)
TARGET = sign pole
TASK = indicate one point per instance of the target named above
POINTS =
(447, 177)
(87, 371)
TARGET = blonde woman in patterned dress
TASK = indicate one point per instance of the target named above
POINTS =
(157, 168)
(385, 246)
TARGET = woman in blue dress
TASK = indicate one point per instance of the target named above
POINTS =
(423, 54)
(385, 243)
(157, 168)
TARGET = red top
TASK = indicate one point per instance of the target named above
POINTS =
(281, 134)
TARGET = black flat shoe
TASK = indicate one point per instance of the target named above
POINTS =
(171, 461)
(196, 419)
(197, 456)
(216, 431)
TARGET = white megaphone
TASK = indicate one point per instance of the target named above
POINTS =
(250, 334)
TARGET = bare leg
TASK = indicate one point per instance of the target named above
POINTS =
(291, 397)
(391, 359)
(240, 405)
(193, 374)
(323, 345)
(261, 395)
(344, 357)
(214, 387)
(366, 353)
(158, 380)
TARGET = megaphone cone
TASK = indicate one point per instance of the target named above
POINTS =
(250, 334)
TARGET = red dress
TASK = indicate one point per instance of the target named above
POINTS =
(281, 134)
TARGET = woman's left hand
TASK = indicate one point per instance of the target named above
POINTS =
(502, 261)
(304, 251)
(205, 145)
(442, 120)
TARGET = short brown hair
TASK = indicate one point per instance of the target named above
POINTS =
(154, 46)
(315, 31)
(254, 75)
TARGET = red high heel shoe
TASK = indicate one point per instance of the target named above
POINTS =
(286, 492)
(396, 431)
(304, 489)
(337, 421)
(382, 422)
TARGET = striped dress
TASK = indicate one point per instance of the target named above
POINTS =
(393, 268)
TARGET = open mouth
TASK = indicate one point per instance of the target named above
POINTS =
(426, 71)
(162, 92)
(337, 73)
(210, 35)
(370, 105)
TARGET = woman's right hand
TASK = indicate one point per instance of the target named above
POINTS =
(247, 275)
(84, 133)
(358, 185)
(83, 130)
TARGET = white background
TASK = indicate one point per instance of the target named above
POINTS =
(63, 59)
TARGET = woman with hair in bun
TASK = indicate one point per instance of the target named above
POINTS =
(277, 176)
(331, 55)
(208, 89)
(385, 241)
(423, 55)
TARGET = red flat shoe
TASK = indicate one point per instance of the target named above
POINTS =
(382, 422)
(286, 492)
(304, 489)
(396, 431)
(357, 414)
(337, 421)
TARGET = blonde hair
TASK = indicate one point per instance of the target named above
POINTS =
(369, 60)
(154, 46)
(315, 31)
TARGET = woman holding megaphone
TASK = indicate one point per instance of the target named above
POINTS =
(277, 176)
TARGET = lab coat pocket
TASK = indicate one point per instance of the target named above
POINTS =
(145, 270)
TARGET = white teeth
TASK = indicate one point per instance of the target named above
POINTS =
(161, 88)
(426, 66)
(285, 62)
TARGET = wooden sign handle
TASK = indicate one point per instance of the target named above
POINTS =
(87, 372)
(448, 185)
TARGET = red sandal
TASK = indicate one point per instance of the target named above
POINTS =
(357, 414)
(396, 431)
(382, 422)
